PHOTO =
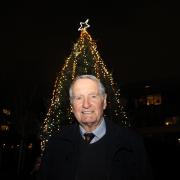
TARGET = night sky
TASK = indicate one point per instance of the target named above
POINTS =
(138, 42)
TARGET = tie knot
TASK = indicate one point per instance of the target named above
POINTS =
(88, 137)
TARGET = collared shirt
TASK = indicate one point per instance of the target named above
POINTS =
(99, 132)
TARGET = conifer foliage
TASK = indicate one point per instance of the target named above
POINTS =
(83, 59)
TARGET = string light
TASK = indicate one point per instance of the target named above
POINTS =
(84, 59)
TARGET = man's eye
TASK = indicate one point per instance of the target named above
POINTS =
(94, 96)
(78, 98)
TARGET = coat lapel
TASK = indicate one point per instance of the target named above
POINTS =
(72, 136)
(115, 145)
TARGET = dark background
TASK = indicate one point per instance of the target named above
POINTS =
(138, 41)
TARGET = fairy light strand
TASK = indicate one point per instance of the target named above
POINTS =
(84, 59)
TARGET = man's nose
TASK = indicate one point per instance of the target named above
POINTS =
(86, 102)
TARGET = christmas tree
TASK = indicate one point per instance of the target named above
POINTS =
(83, 59)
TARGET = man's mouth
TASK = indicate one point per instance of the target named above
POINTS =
(87, 112)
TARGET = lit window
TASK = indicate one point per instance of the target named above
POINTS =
(30, 146)
(170, 121)
(7, 112)
(4, 127)
(154, 99)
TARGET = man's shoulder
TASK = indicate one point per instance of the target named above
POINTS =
(125, 133)
(65, 133)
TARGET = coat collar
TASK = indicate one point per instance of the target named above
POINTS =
(116, 142)
(115, 134)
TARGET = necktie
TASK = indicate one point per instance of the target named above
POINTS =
(88, 137)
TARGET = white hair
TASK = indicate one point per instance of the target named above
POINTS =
(101, 86)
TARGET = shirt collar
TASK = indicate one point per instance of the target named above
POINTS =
(99, 132)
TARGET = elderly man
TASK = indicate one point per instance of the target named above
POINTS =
(93, 148)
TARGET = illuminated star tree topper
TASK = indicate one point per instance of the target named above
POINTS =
(84, 25)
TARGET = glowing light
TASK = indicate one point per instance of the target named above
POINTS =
(84, 25)
(84, 59)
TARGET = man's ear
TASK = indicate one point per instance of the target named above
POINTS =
(105, 101)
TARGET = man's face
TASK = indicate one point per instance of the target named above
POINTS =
(87, 103)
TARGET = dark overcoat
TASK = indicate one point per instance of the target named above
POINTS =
(126, 155)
